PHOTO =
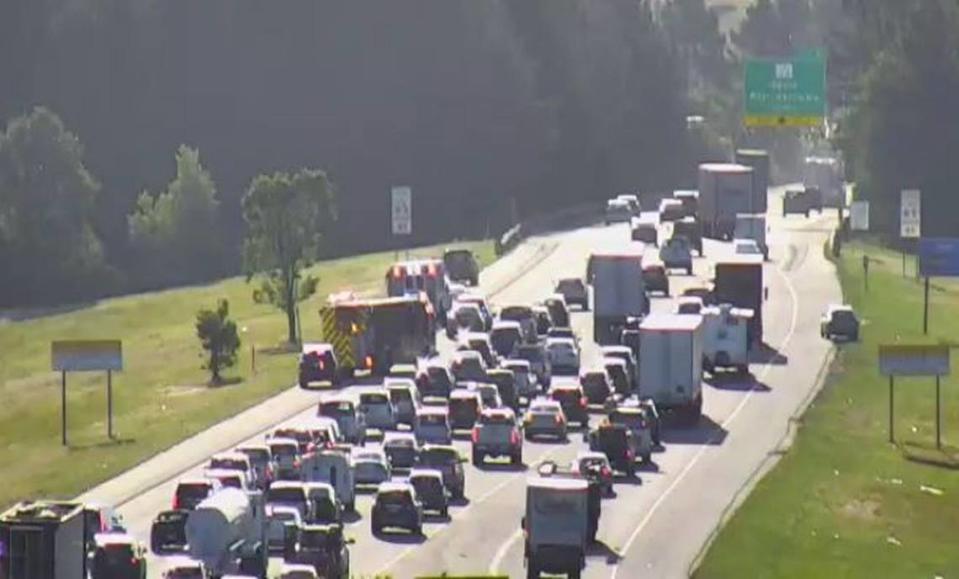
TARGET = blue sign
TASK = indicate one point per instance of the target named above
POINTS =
(939, 257)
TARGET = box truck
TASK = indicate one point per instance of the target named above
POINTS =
(44, 540)
(825, 174)
(725, 190)
(739, 282)
(618, 292)
(671, 363)
(758, 160)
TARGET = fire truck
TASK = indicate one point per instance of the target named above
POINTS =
(373, 334)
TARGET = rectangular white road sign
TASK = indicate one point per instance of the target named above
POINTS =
(910, 214)
(402, 203)
(859, 216)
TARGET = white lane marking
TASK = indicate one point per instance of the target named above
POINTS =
(742, 404)
(459, 515)
(501, 552)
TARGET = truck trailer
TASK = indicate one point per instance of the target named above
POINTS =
(725, 190)
(227, 532)
(739, 282)
(671, 367)
(825, 174)
(375, 334)
(758, 160)
(618, 292)
(44, 540)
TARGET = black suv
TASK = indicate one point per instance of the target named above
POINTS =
(318, 364)
(461, 266)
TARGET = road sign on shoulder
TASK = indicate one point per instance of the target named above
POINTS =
(785, 92)
(939, 257)
(86, 355)
(910, 214)
(402, 205)
(913, 360)
(859, 216)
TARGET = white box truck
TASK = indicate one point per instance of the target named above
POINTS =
(618, 291)
(726, 338)
(752, 226)
(227, 532)
(671, 363)
(44, 540)
(725, 190)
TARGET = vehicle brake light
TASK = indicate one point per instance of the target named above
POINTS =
(514, 437)
(432, 270)
(583, 401)
(629, 454)
(322, 365)
(559, 419)
(475, 435)
(176, 502)
(643, 423)
(605, 471)
(397, 271)
(369, 361)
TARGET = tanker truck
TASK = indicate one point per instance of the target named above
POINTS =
(227, 532)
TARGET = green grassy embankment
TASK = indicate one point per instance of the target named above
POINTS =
(843, 501)
(162, 396)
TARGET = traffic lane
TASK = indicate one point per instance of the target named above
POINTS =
(471, 541)
(635, 498)
(704, 490)
(368, 549)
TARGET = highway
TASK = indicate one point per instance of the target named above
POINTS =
(656, 525)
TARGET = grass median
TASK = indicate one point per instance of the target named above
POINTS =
(843, 501)
(162, 396)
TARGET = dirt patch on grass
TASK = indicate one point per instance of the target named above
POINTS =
(183, 390)
(861, 510)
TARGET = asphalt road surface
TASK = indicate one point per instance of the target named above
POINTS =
(657, 523)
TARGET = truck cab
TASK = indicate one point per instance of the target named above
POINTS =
(555, 526)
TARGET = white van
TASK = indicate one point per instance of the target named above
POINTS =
(335, 467)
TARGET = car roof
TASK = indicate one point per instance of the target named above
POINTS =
(439, 447)
(840, 308)
(463, 393)
(561, 341)
(503, 412)
(545, 403)
(515, 362)
(425, 473)
(283, 509)
(467, 354)
(104, 539)
(253, 446)
(393, 383)
(592, 370)
(469, 336)
(506, 325)
(613, 361)
(195, 481)
(584, 454)
(439, 410)
(663, 321)
(282, 440)
(394, 486)
(379, 391)
(394, 436)
(286, 484)
(319, 348)
(565, 386)
(182, 562)
(230, 455)
(619, 349)
(569, 280)
(558, 483)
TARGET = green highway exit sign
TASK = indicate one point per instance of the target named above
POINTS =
(786, 92)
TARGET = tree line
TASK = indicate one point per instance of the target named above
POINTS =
(486, 109)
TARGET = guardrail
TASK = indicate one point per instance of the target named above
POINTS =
(582, 214)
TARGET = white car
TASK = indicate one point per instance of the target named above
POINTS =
(563, 356)
(370, 466)
(746, 247)
(298, 571)
(278, 519)
(183, 567)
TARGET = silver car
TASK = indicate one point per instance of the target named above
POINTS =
(377, 409)
(370, 466)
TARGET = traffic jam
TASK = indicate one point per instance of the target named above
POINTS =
(399, 418)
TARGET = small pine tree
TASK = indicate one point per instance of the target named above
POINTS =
(219, 338)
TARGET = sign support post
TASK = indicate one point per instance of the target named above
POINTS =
(938, 416)
(110, 404)
(914, 360)
(925, 309)
(63, 407)
(892, 427)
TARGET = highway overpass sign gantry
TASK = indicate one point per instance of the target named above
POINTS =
(789, 92)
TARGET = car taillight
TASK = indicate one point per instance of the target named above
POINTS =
(605, 471)
(643, 423)
(475, 435)
(176, 502)
(559, 419)
(629, 454)
(583, 401)
(322, 365)
(296, 462)
(514, 437)
(369, 361)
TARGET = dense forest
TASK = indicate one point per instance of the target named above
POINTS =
(134, 128)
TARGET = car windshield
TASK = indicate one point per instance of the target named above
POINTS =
(374, 398)
(284, 449)
(843, 316)
(228, 464)
(394, 498)
(497, 419)
(569, 285)
(438, 375)
(594, 379)
(314, 539)
(516, 313)
(192, 492)
(438, 456)
(566, 395)
(427, 484)
(400, 395)
(336, 409)
(285, 495)
(432, 419)
(115, 554)
(531, 354)
(633, 420)
(258, 456)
